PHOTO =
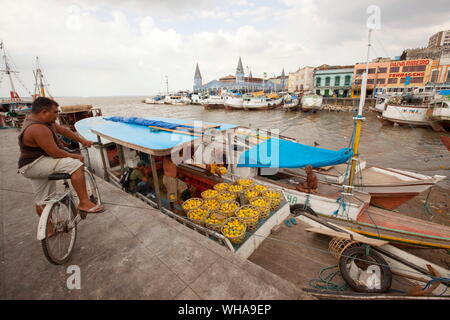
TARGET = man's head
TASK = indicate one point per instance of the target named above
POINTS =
(45, 109)
(141, 164)
(308, 169)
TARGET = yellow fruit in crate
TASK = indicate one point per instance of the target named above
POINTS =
(260, 203)
(228, 206)
(197, 214)
(251, 193)
(226, 196)
(260, 187)
(235, 188)
(191, 204)
(221, 170)
(221, 186)
(209, 193)
(245, 182)
(271, 194)
(211, 204)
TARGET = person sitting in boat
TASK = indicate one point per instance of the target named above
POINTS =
(140, 180)
(311, 184)
(41, 154)
(174, 186)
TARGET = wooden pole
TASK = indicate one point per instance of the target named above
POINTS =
(121, 156)
(155, 181)
(105, 169)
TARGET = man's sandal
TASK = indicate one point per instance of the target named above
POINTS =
(97, 209)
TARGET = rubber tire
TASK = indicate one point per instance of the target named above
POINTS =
(386, 274)
(45, 246)
(299, 208)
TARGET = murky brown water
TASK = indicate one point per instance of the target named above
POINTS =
(415, 149)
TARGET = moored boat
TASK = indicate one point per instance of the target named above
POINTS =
(352, 211)
(311, 102)
(213, 102)
(290, 103)
(234, 101)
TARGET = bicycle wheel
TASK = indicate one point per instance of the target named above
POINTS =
(92, 189)
(59, 246)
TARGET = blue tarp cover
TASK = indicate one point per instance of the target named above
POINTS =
(147, 122)
(278, 153)
(444, 92)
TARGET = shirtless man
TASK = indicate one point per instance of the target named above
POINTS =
(42, 155)
(311, 184)
(174, 186)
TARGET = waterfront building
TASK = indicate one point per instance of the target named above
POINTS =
(389, 76)
(237, 82)
(439, 39)
(279, 83)
(301, 80)
(332, 81)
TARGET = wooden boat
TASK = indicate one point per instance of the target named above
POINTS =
(352, 211)
(234, 102)
(290, 103)
(311, 102)
(438, 115)
(389, 188)
(213, 102)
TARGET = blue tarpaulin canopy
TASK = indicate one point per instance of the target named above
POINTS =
(278, 153)
(148, 122)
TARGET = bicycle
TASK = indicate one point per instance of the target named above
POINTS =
(61, 212)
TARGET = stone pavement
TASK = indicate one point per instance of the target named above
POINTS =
(132, 251)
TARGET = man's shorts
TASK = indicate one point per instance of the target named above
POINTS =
(174, 188)
(39, 170)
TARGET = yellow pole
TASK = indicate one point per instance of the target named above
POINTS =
(355, 152)
(359, 119)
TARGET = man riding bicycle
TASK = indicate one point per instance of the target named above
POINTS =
(41, 155)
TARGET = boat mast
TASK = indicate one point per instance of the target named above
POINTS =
(8, 71)
(39, 85)
(358, 122)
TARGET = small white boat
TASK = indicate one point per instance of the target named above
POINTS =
(234, 102)
(406, 110)
(213, 102)
(438, 115)
(255, 103)
(290, 103)
(155, 100)
(380, 105)
(388, 187)
(312, 102)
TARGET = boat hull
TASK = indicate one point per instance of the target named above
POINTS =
(405, 115)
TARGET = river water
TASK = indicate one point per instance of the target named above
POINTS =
(414, 149)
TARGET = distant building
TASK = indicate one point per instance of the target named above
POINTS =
(389, 76)
(279, 83)
(301, 80)
(333, 80)
(197, 80)
(238, 82)
(439, 39)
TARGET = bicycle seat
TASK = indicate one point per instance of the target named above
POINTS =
(59, 176)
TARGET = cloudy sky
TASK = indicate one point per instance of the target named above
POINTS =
(109, 48)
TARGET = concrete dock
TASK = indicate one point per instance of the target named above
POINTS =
(132, 251)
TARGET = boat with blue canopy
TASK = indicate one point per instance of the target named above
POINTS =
(263, 157)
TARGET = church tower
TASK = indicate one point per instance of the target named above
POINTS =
(239, 73)
(197, 80)
(283, 80)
